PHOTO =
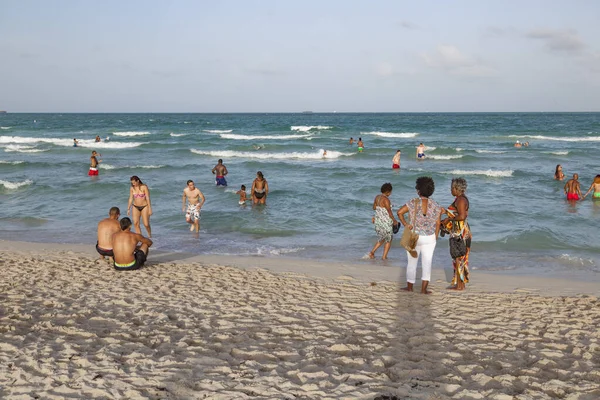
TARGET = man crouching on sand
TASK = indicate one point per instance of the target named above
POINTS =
(106, 229)
(127, 255)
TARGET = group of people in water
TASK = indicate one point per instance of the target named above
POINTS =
(425, 220)
(128, 250)
(572, 188)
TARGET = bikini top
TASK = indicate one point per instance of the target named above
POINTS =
(453, 205)
(139, 195)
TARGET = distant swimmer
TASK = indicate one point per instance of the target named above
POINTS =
(98, 139)
(572, 188)
(558, 173)
(260, 189)
(518, 144)
(195, 200)
(94, 164)
(526, 144)
(242, 193)
(221, 171)
(351, 140)
(595, 187)
(106, 229)
(396, 160)
(75, 142)
(420, 151)
(324, 153)
(360, 145)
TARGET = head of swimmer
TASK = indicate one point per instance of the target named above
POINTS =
(135, 181)
(114, 212)
(190, 184)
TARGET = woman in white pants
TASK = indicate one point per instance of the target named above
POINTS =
(425, 221)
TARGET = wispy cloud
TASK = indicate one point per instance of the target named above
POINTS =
(453, 61)
(558, 40)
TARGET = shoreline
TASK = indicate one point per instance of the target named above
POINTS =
(369, 271)
(188, 326)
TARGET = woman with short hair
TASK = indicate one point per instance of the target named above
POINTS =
(424, 216)
(384, 221)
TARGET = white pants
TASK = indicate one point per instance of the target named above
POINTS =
(425, 247)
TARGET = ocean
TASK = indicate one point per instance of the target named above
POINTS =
(317, 208)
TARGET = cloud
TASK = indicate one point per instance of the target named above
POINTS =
(384, 69)
(567, 41)
(453, 61)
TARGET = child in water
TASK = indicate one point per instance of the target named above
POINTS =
(242, 193)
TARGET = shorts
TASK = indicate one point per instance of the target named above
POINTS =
(396, 166)
(220, 181)
(360, 149)
(137, 263)
(192, 212)
(104, 252)
(93, 171)
(572, 196)
(421, 155)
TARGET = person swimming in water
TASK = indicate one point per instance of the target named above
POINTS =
(572, 188)
(595, 186)
(396, 160)
(420, 151)
(260, 189)
(360, 145)
(558, 173)
(242, 193)
(221, 170)
(75, 142)
(94, 164)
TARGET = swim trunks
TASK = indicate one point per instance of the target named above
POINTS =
(596, 195)
(259, 194)
(421, 155)
(93, 171)
(360, 149)
(395, 166)
(104, 252)
(192, 212)
(220, 181)
(572, 196)
(137, 263)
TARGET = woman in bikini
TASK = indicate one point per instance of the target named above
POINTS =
(595, 187)
(260, 189)
(139, 198)
(558, 173)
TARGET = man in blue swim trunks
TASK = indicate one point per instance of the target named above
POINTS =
(128, 255)
(221, 171)
(420, 151)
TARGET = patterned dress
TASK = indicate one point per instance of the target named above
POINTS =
(460, 264)
(383, 224)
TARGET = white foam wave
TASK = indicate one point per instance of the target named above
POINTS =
(257, 137)
(316, 155)
(22, 149)
(15, 185)
(392, 134)
(558, 153)
(132, 133)
(218, 130)
(490, 151)
(177, 134)
(67, 142)
(446, 157)
(5, 127)
(149, 166)
(108, 166)
(562, 139)
(11, 162)
(430, 148)
(304, 128)
(459, 149)
(489, 172)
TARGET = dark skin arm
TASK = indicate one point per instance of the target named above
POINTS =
(461, 215)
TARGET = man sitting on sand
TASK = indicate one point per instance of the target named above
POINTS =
(106, 229)
(128, 256)
(572, 189)
(221, 171)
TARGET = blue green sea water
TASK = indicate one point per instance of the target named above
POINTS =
(317, 208)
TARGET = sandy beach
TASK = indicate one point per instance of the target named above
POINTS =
(196, 327)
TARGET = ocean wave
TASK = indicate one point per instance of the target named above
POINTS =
(218, 130)
(11, 162)
(441, 157)
(304, 128)
(177, 134)
(392, 134)
(22, 149)
(459, 149)
(489, 172)
(68, 142)
(132, 133)
(316, 155)
(561, 139)
(558, 153)
(108, 166)
(15, 185)
(5, 127)
(272, 137)
(490, 151)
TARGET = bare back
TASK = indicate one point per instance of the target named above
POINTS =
(106, 229)
(124, 244)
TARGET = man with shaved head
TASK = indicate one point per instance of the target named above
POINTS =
(572, 189)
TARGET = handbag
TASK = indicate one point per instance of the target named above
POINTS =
(409, 238)
(458, 247)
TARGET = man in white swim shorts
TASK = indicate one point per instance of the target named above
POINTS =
(195, 200)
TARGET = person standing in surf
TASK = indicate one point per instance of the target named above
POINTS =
(572, 189)
(421, 151)
(595, 187)
(396, 160)
(195, 200)
(139, 199)
(94, 164)
(260, 189)
(360, 145)
(221, 171)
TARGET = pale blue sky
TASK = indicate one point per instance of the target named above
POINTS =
(280, 56)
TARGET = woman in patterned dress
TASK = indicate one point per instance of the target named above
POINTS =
(457, 224)
(384, 221)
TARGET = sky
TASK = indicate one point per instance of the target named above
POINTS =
(292, 56)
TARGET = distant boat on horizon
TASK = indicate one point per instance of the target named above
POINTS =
(2, 112)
